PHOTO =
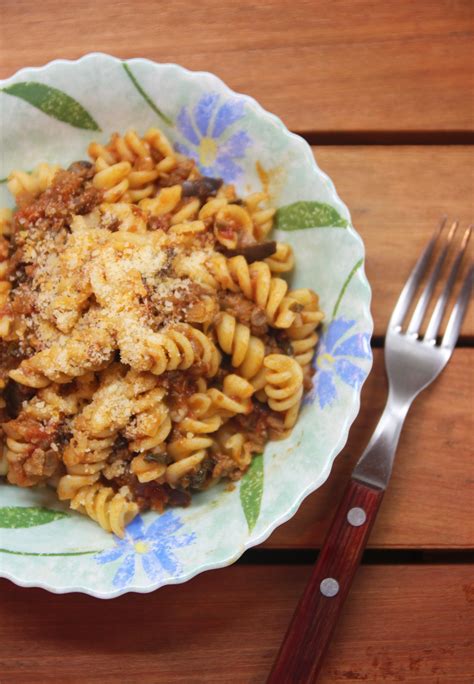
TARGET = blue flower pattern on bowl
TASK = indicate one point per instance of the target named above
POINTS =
(333, 360)
(153, 546)
(209, 140)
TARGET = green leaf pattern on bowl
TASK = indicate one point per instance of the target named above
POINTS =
(53, 102)
(251, 490)
(27, 516)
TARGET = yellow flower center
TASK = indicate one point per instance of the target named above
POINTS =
(207, 151)
(325, 360)
(142, 547)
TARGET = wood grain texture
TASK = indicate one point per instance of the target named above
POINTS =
(396, 196)
(345, 65)
(428, 504)
(408, 623)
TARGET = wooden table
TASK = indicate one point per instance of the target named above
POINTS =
(383, 90)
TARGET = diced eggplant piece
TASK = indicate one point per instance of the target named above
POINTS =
(256, 252)
(201, 187)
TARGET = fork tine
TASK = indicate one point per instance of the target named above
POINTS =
(437, 315)
(404, 300)
(455, 320)
(422, 304)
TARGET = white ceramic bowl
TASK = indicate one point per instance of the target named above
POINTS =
(51, 114)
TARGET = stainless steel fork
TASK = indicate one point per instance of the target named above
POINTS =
(412, 362)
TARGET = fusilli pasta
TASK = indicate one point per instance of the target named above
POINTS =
(150, 345)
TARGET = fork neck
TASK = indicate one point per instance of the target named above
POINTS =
(375, 465)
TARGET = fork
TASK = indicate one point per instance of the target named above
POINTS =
(412, 363)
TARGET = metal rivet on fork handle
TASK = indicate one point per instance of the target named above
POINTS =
(329, 587)
(356, 516)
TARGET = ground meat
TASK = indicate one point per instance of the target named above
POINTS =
(257, 423)
(29, 470)
(151, 495)
(180, 385)
(38, 461)
(86, 201)
(179, 174)
(277, 342)
(245, 311)
(225, 466)
(71, 193)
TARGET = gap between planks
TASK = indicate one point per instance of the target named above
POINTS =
(399, 138)
(262, 556)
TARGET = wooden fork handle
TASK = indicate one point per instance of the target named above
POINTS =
(302, 651)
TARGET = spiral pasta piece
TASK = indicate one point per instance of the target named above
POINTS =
(128, 147)
(148, 468)
(17, 454)
(111, 510)
(188, 451)
(255, 281)
(202, 416)
(180, 348)
(134, 163)
(84, 450)
(84, 458)
(84, 468)
(192, 439)
(63, 362)
(164, 203)
(283, 260)
(152, 423)
(283, 386)
(113, 180)
(184, 467)
(262, 218)
(31, 184)
(30, 451)
(302, 332)
(239, 447)
(232, 225)
(210, 409)
(234, 397)
(246, 351)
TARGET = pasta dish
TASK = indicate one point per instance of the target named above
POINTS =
(150, 344)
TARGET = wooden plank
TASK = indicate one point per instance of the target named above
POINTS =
(429, 502)
(326, 66)
(226, 626)
(396, 196)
